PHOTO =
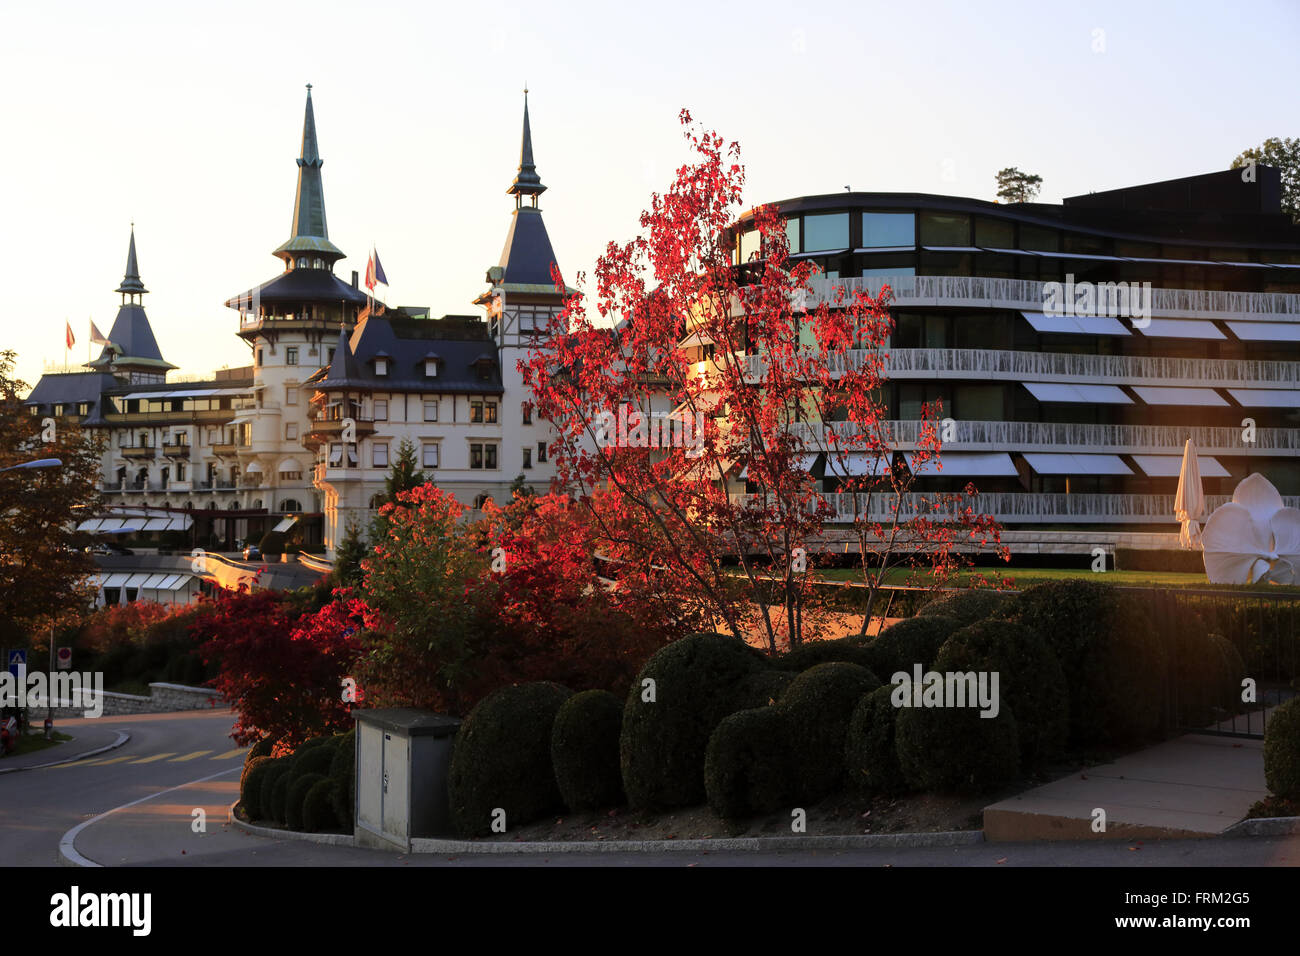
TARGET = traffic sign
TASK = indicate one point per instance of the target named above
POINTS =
(17, 659)
(65, 658)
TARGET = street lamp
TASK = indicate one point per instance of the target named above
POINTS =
(39, 463)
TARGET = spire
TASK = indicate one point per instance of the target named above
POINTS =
(527, 182)
(309, 237)
(131, 284)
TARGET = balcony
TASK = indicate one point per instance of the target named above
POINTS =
(178, 450)
(145, 453)
(226, 450)
(1059, 437)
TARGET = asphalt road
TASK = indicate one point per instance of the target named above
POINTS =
(175, 764)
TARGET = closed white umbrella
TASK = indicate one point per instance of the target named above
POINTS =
(1189, 502)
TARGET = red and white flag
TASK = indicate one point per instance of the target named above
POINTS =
(70, 340)
(375, 272)
(96, 336)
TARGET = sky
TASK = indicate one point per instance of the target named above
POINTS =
(187, 118)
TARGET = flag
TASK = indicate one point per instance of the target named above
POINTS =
(96, 336)
(375, 272)
(70, 340)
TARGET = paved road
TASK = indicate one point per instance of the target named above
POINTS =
(175, 763)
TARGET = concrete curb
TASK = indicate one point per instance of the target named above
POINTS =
(711, 845)
(327, 839)
(1264, 826)
(122, 737)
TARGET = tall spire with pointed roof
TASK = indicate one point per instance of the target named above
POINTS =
(309, 239)
(131, 284)
(527, 182)
(132, 348)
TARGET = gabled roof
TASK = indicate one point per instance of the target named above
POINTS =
(132, 341)
(406, 343)
(72, 388)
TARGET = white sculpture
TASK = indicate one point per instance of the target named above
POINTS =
(1253, 538)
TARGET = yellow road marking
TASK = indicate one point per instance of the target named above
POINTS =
(197, 753)
(171, 753)
(102, 763)
(228, 754)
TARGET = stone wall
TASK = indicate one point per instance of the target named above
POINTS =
(163, 698)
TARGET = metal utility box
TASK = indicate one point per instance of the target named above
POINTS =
(403, 758)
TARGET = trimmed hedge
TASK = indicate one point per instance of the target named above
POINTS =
(276, 810)
(296, 796)
(954, 749)
(318, 807)
(1030, 679)
(260, 749)
(762, 689)
(817, 708)
(343, 773)
(749, 766)
(870, 751)
(250, 786)
(502, 759)
(584, 750)
(699, 680)
(915, 640)
(851, 650)
(966, 607)
(271, 776)
(1282, 750)
(314, 759)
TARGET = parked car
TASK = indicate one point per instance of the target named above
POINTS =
(107, 547)
(252, 553)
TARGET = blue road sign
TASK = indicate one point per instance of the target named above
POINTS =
(17, 659)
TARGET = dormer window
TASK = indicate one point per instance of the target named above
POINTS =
(381, 366)
(431, 368)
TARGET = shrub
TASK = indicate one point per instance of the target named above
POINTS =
(817, 708)
(343, 773)
(698, 681)
(313, 759)
(965, 607)
(851, 650)
(584, 750)
(502, 758)
(870, 753)
(1282, 750)
(1030, 679)
(297, 795)
(915, 640)
(748, 766)
(260, 749)
(279, 796)
(762, 688)
(318, 807)
(955, 749)
(1110, 653)
(277, 768)
(250, 786)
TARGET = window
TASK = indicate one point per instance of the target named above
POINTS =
(490, 413)
(34, 409)
(489, 456)
(888, 229)
(476, 456)
(528, 413)
(180, 471)
(291, 476)
(430, 454)
(749, 245)
(291, 394)
(431, 368)
(381, 409)
(58, 410)
(83, 409)
(290, 504)
(291, 431)
(828, 231)
(379, 455)
(257, 358)
(945, 229)
(994, 233)
(528, 458)
(329, 357)
(381, 366)
(476, 411)
(336, 454)
(792, 234)
(541, 451)
(291, 356)
(430, 409)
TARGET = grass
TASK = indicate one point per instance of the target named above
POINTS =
(31, 743)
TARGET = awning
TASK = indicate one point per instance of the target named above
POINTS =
(1168, 466)
(694, 340)
(253, 468)
(1266, 397)
(180, 523)
(290, 464)
(1075, 255)
(137, 580)
(90, 525)
(1061, 464)
(1182, 329)
(157, 524)
(856, 464)
(109, 525)
(952, 249)
(115, 580)
(1083, 394)
(285, 524)
(1266, 331)
(964, 464)
(1163, 395)
(1076, 324)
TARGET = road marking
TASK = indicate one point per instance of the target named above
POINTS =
(197, 753)
(103, 763)
(67, 843)
(229, 754)
(170, 753)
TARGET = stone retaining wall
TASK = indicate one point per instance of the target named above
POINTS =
(163, 698)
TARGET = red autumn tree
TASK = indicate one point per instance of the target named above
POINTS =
(694, 370)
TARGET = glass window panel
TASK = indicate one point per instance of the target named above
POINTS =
(945, 229)
(826, 231)
(1032, 237)
(936, 332)
(888, 229)
(792, 234)
(994, 233)
(979, 403)
(749, 242)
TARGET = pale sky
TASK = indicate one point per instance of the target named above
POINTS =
(187, 119)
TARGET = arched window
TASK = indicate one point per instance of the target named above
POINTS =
(481, 500)
(290, 504)
(376, 501)
(233, 506)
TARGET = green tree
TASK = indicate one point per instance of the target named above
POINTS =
(403, 475)
(1285, 155)
(44, 582)
(348, 556)
(1015, 186)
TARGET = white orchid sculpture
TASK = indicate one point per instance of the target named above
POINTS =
(1253, 538)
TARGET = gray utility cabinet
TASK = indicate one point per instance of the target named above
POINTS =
(403, 759)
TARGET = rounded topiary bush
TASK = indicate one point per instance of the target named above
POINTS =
(260, 749)
(850, 650)
(817, 707)
(1282, 750)
(250, 786)
(343, 772)
(966, 607)
(584, 750)
(275, 810)
(502, 759)
(271, 776)
(1113, 659)
(761, 689)
(954, 749)
(296, 795)
(913, 641)
(318, 807)
(748, 765)
(698, 680)
(870, 752)
(314, 759)
(1029, 679)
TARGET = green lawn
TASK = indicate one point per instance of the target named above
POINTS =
(1024, 577)
(30, 743)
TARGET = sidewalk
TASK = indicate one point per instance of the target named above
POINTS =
(88, 738)
(1193, 786)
